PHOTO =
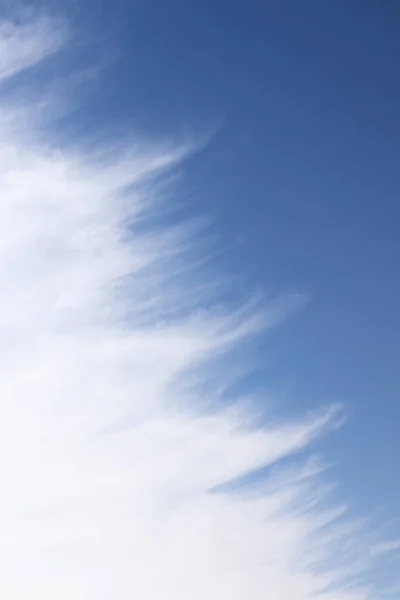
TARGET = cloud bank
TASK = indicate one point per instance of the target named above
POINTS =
(116, 466)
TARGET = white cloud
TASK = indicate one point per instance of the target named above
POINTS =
(25, 42)
(387, 547)
(107, 461)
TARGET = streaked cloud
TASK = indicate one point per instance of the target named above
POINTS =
(387, 547)
(24, 42)
(111, 468)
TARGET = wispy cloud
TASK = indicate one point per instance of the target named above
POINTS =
(24, 42)
(387, 547)
(111, 468)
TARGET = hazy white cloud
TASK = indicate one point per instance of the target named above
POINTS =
(387, 547)
(25, 42)
(109, 463)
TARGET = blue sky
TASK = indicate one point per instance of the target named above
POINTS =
(277, 121)
(301, 176)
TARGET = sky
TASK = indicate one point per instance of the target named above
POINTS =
(199, 299)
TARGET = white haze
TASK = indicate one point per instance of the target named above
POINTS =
(112, 470)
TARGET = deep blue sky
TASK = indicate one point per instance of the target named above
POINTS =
(302, 176)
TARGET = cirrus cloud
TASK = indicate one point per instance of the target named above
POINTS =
(114, 477)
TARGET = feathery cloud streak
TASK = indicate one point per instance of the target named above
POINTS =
(111, 469)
